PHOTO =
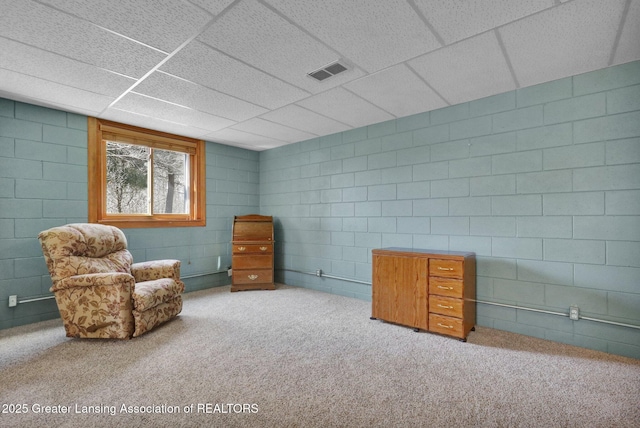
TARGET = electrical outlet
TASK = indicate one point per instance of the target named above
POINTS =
(13, 301)
(574, 313)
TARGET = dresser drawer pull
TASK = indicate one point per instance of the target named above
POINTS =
(253, 277)
(444, 326)
(263, 248)
(442, 287)
(444, 268)
(444, 306)
(242, 248)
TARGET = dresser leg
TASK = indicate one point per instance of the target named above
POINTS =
(416, 329)
(373, 318)
(463, 340)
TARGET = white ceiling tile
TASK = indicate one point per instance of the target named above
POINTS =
(270, 43)
(154, 123)
(44, 92)
(629, 44)
(151, 107)
(243, 139)
(455, 20)
(81, 56)
(213, 7)
(55, 68)
(471, 69)
(397, 90)
(272, 130)
(163, 24)
(170, 88)
(75, 38)
(345, 107)
(570, 39)
(208, 67)
(300, 118)
(371, 34)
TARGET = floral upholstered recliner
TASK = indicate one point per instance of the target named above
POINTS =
(100, 292)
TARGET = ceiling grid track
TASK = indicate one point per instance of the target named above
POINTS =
(623, 19)
(171, 55)
(339, 55)
(506, 57)
(426, 22)
(435, 91)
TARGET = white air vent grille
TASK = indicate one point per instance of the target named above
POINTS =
(328, 71)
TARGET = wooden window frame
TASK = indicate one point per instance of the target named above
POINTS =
(97, 175)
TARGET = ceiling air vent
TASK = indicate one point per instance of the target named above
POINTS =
(328, 71)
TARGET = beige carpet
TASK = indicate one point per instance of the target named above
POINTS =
(300, 358)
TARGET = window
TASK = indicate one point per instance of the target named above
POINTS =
(144, 178)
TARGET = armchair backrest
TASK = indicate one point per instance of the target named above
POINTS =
(83, 248)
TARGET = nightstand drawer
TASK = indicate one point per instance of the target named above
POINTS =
(446, 325)
(252, 276)
(445, 306)
(251, 261)
(445, 268)
(446, 287)
(252, 249)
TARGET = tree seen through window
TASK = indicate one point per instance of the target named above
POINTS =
(130, 169)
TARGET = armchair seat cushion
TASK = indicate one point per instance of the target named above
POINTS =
(149, 294)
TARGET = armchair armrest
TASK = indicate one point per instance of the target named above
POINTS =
(156, 269)
(93, 279)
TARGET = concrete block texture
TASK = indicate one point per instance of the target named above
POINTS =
(543, 183)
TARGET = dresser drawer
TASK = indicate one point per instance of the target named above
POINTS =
(446, 287)
(446, 325)
(445, 306)
(445, 268)
(254, 276)
(252, 249)
(251, 261)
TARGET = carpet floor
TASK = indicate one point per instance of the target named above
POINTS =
(296, 357)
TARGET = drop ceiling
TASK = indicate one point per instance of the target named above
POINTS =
(237, 71)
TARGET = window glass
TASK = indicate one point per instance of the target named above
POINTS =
(127, 178)
(144, 178)
(170, 185)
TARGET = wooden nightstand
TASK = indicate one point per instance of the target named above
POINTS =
(252, 253)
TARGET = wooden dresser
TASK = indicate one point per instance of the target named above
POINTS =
(425, 289)
(252, 253)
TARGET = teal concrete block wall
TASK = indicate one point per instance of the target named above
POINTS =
(543, 183)
(43, 183)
